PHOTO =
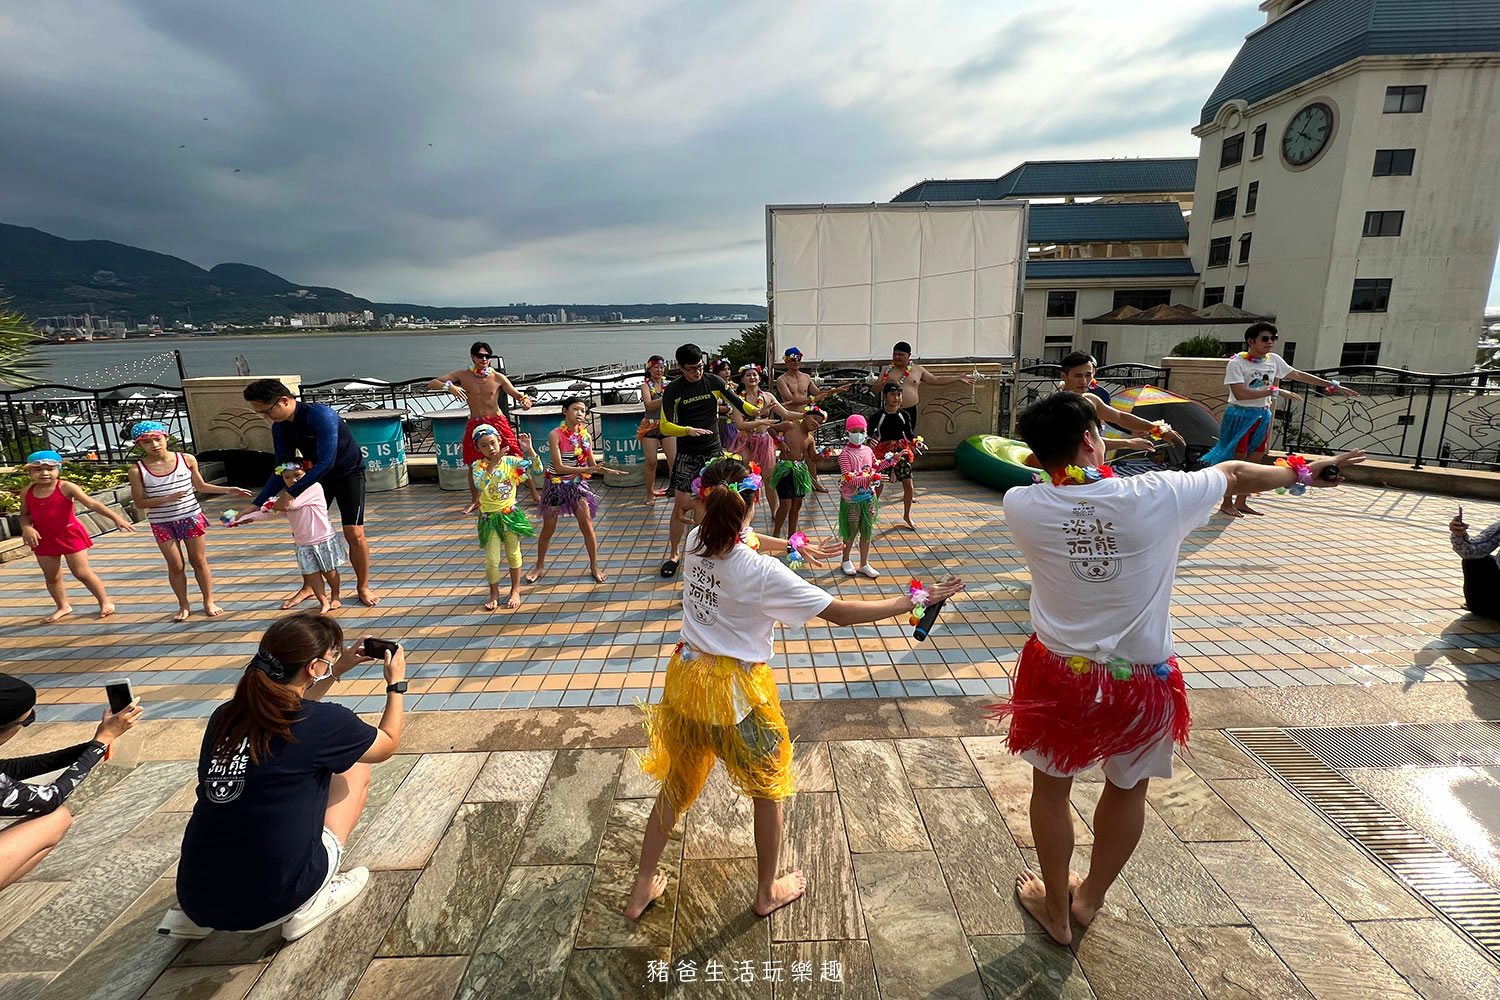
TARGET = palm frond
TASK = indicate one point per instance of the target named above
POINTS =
(17, 338)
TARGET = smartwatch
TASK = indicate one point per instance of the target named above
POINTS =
(397, 688)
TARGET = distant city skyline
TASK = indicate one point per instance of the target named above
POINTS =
(587, 153)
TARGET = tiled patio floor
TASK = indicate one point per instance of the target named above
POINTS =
(1338, 587)
(501, 845)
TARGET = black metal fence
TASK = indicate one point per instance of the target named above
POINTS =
(1040, 379)
(86, 423)
(1452, 421)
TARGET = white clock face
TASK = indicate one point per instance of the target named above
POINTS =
(1307, 134)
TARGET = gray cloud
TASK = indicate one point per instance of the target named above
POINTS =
(480, 152)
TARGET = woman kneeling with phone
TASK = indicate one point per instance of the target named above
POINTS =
(282, 779)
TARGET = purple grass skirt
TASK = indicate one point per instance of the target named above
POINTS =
(561, 496)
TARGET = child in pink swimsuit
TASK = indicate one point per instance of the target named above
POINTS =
(320, 548)
(49, 526)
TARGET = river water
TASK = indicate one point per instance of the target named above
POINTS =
(392, 356)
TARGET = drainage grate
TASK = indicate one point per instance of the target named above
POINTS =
(1434, 744)
(1298, 761)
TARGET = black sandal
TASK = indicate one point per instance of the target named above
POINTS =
(669, 569)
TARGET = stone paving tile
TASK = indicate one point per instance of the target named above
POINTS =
(607, 973)
(880, 813)
(978, 857)
(407, 829)
(23, 985)
(1457, 808)
(813, 841)
(130, 801)
(516, 776)
(916, 940)
(523, 951)
(127, 957)
(568, 819)
(719, 823)
(410, 979)
(1353, 884)
(1234, 963)
(634, 783)
(856, 972)
(208, 982)
(452, 898)
(1193, 810)
(1435, 960)
(716, 924)
(626, 828)
(326, 964)
(603, 923)
(1008, 780)
(20, 900)
(1028, 967)
(812, 767)
(937, 763)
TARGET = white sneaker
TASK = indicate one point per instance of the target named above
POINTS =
(847, 567)
(869, 571)
(176, 924)
(340, 893)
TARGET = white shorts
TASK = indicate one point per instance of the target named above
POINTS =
(335, 856)
(1122, 771)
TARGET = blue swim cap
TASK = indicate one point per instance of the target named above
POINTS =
(481, 431)
(44, 458)
(145, 427)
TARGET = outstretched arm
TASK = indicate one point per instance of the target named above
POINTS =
(1248, 477)
(201, 485)
(74, 492)
(1322, 383)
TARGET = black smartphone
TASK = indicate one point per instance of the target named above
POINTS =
(117, 690)
(377, 648)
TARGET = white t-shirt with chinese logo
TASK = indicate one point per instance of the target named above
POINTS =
(1103, 556)
(1260, 374)
(731, 604)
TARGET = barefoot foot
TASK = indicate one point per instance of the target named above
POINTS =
(785, 889)
(1084, 907)
(58, 615)
(1033, 895)
(296, 599)
(106, 609)
(212, 610)
(324, 607)
(641, 898)
(1249, 510)
(471, 508)
(335, 603)
(598, 576)
(533, 576)
(368, 597)
(907, 521)
(492, 604)
(513, 601)
(1230, 511)
(182, 614)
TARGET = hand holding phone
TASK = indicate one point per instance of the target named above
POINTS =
(376, 649)
(117, 690)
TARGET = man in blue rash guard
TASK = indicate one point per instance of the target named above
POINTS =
(323, 438)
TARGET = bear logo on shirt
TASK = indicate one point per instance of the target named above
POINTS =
(226, 774)
(1093, 549)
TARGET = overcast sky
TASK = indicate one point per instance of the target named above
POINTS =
(478, 152)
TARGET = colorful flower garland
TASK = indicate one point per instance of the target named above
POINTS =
(794, 557)
(1298, 465)
(1086, 474)
(885, 376)
(920, 597)
(583, 447)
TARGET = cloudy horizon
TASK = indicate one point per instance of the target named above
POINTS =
(594, 151)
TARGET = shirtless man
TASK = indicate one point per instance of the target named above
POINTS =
(1078, 376)
(797, 389)
(909, 376)
(792, 477)
(480, 386)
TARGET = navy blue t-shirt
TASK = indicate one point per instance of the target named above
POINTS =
(324, 439)
(253, 849)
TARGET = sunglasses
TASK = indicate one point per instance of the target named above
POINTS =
(690, 368)
(1268, 338)
(484, 357)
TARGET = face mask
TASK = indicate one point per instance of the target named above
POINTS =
(317, 679)
(857, 437)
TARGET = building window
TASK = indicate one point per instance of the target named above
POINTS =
(1061, 305)
(1360, 354)
(1055, 348)
(1100, 350)
(1245, 249)
(1239, 296)
(1224, 203)
(1233, 150)
(1213, 295)
(1218, 252)
(1288, 350)
(1258, 148)
(1394, 162)
(1252, 194)
(1232, 347)
(1383, 223)
(1405, 100)
(1370, 295)
(1142, 298)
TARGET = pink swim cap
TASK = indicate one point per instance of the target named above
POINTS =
(856, 423)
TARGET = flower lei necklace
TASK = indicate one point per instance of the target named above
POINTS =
(885, 376)
(657, 386)
(1093, 384)
(1250, 357)
(481, 372)
(1086, 474)
(583, 449)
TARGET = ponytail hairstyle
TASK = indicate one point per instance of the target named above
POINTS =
(728, 487)
(264, 705)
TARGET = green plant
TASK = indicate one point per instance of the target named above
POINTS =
(748, 348)
(16, 339)
(9, 502)
(90, 476)
(1198, 347)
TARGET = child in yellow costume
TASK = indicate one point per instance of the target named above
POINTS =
(501, 524)
(719, 701)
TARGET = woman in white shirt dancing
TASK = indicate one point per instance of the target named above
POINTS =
(720, 700)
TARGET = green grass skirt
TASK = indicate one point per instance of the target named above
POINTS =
(858, 519)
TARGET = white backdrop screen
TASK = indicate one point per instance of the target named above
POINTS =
(847, 282)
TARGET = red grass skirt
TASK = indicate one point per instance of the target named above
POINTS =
(1076, 712)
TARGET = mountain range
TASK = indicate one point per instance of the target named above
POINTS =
(46, 275)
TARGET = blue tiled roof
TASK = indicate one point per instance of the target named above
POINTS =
(1060, 178)
(1322, 34)
(1146, 222)
(1111, 267)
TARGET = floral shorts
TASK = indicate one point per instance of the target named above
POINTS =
(180, 530)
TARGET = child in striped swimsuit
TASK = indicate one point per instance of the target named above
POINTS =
(165, 485)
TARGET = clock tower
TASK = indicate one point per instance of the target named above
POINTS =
(1349, 181)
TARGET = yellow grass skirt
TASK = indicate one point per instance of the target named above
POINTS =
(697, 721)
